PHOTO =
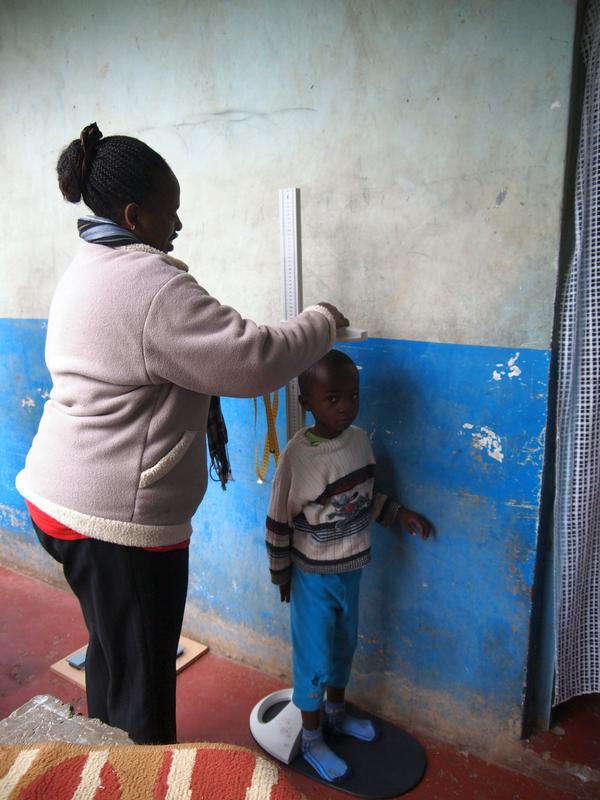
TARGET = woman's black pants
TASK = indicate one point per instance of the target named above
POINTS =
(133, 602)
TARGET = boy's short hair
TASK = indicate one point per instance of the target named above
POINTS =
(332, 361)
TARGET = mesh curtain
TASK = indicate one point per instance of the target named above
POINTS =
(577, 504)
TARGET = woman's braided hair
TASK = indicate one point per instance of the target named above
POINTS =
(107, 173)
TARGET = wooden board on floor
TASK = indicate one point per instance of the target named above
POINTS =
(191, 652)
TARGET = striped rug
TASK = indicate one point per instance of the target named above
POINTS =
(61, 771)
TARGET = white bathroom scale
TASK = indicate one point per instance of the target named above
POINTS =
(386, 768)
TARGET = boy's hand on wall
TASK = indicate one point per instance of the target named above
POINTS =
(284, 591)
(413, 523)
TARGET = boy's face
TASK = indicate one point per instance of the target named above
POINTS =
(333, 400)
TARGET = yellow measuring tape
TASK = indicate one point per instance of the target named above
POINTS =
(271, 443)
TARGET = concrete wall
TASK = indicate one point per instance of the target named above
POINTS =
(428, 139)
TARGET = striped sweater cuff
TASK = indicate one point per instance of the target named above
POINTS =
(280, 576)
(388, 513)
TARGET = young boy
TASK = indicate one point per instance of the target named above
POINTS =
(318, 540)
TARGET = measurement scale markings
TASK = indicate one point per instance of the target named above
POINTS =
(291, 267)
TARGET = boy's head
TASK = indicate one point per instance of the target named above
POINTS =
(329, 390)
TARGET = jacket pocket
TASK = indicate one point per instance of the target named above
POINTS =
(168, 461)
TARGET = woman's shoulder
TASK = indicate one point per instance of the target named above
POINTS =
(142, 255)
(131, 274)
(141, 267)
(147, 249)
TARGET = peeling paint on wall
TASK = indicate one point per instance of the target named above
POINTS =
(510, 369)
(13, 518)
(486, 439)
(532, 451)
(513, 370)
(489, 441)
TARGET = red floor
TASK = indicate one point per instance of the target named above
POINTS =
(40, 624)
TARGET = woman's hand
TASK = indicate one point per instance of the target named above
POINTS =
(340, 320)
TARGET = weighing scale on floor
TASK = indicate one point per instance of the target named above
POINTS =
(396, 762)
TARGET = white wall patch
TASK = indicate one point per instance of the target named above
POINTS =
(486, 439)
(513, 370)
(13, 517)
(510, 368)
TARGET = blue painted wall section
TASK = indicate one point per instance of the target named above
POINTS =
(24, 386)
(458, 434)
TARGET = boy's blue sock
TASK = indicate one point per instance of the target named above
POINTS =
(314, 750)
(339, 722)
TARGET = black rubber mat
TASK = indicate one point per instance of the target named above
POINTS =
(391, 766)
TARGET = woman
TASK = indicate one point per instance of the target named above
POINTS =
(139, 353)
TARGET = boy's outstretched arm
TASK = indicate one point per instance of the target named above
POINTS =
(413, 523)
(388, 512)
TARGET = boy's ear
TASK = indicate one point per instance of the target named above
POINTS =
(303, 401)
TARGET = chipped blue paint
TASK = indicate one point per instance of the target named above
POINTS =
(24, 382)
(450, 615)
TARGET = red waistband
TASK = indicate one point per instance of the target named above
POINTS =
(52, 527)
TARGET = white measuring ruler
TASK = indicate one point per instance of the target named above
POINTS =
(291, 284)
(291, 289)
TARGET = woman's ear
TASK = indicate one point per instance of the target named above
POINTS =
(131, 214)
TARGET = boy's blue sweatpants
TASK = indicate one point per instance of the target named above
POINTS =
(324, 615)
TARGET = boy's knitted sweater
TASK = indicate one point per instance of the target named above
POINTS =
(322, 505)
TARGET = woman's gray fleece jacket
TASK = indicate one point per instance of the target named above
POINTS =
(135, 348)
